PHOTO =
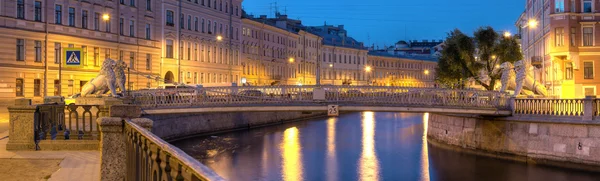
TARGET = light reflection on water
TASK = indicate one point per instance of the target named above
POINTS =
(331, 162)
(291, 156)
(356, 146)
(368, 163)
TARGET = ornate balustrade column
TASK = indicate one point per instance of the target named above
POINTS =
(588, 108)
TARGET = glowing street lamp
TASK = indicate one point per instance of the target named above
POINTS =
(219, 38)
(105, 17)
(426, 72)
(493, 56)
(507, 34)
(368, 68)
(291, 60)
(330, 65)
(532, 23)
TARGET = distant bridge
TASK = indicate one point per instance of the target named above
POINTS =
(317, 98)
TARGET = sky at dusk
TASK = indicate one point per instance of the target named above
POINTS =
(384, 22)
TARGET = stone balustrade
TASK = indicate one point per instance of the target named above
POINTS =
(306, 96)
(131, 152)
(584, 109)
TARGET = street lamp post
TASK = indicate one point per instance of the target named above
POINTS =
(368, 71)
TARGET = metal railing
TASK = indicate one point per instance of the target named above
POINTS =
(151, 158)
(67, 122)
(550, 107)
(303, 95)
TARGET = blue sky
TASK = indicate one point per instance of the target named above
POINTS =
(384, 22)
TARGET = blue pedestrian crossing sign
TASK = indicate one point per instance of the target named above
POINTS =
(72, 57)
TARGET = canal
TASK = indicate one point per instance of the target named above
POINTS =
(356, 146)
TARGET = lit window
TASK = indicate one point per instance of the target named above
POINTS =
(588, 36)
(587, 6)
(588, 70)
(568, 71)
(559, 6)
(559, 36)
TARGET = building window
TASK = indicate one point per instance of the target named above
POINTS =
(209, 32)
(148, 31)
(572, 5)
(196, 52)
(572, 37)
(132, 3)
(21, 9)
(559, 6)
(36, 87)
(57, 53)
(121, 26)
(131, 28)
(122, 1)
(121, 55)
(84, 54)
(149, 5)
(170, 18)
(148, 61)
(71, 16)
(587, 6)
(202, 24)
(58, 15)
(569, 71)
(588, 70)
(189, 22)
(589, 90)
(38, 51)
(132, 60)
(196, 24)
(559, 36)
(20, 50)
(19, 87)
(96, 56)
(107, 53)
(38, 11)
(108, 25)
(169, 49)
(96, 21)
(189, 51)
(84, 19)
(57, 87)
(588, 36)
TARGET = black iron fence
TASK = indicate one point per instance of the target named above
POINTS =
(67, 122)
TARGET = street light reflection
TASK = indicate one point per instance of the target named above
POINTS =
(425, 151)
(291, 155)
(368, 163)
(331, 161)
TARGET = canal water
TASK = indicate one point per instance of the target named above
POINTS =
(356, 146)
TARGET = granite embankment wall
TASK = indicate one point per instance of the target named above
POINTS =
(541, 141)
(173, 127)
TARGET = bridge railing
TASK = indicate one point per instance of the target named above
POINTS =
(550, 107)
(303, 95)
(151, 158)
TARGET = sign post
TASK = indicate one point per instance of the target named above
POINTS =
(333, 110)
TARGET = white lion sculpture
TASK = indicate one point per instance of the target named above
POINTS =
(120, 75)
(508, 77)
(103, 82)
(526, 80)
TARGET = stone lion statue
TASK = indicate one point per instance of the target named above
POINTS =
(120, 75)
(103, 82)
(508, 76)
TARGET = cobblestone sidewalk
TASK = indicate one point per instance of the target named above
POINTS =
(73, 165)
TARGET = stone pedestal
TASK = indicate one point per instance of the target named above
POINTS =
(107, 101)
(21, 129)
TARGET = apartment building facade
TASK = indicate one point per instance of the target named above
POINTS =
(36, 32)
(391, 70)
(563, 37)
(202, 44)
(167, 41)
